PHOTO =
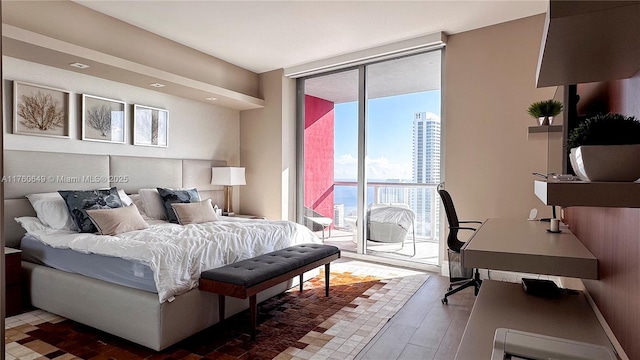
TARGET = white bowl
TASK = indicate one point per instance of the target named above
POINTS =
(617, 163)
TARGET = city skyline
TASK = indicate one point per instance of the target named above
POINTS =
(390, 132)
(426, 169)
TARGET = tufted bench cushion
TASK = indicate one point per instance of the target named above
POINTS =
(253, 271)
(248, 277)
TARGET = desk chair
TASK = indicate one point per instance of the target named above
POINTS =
(458, 275)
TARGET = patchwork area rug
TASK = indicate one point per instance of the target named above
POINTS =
(293, 325)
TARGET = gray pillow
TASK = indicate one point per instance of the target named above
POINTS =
(173, 196)
(78, 202)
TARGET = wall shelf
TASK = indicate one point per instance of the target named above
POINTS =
(584, 193)
(577, 34)
(545, 129)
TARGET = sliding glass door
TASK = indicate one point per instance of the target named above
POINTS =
(403, 157)
(330, 154)
(371, 152)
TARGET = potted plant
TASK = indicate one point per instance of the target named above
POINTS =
(544, 111)
(606, 147)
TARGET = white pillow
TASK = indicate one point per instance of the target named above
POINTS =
(126, 200)
(153, 206)
(52, 211)
(137, 201)
(30, 224)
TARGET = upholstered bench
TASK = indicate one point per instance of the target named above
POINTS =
(246, 278)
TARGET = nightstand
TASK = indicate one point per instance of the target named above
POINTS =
(12, 260)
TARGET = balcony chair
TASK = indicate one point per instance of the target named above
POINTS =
(458, 275)
(390, 224)
(316, 222)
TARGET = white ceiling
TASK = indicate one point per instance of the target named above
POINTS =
(265, 35)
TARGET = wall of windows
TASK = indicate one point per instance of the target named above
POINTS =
(371, 135)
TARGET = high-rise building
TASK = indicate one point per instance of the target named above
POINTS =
(393, 194)
(426, 169)
(338, 215)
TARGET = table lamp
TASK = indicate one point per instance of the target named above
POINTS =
(228, 177)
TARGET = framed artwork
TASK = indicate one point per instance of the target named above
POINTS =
(150, 126)
(103, 119)
(40, 110)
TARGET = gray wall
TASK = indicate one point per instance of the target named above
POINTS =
(268, 150)
(489, 83)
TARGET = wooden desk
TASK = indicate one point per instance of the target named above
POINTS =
(526, 246)
(506, 305)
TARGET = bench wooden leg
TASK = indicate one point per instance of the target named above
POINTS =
(327, 272)
(301, 282)
(220, 308)
(253, 308)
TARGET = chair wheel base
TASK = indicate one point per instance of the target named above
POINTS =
(444, 301)
(450, 288)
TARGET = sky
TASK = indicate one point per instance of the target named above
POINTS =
(390, 137)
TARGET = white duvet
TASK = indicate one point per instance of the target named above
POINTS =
(177, 254)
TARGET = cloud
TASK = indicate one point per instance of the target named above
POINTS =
(377, 168)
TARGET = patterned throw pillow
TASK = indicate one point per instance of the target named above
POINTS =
(78, 202)
(172, 196)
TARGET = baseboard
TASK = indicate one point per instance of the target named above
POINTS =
(607, 329)
(499, 275)
(393, 262)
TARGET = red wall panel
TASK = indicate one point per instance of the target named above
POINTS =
(319, 155)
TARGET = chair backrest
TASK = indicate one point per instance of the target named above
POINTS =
(452, 218)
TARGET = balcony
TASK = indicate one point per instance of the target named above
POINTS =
(421, 198)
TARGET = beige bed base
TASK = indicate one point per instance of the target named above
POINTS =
(132, 314)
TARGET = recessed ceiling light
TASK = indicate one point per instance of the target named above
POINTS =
(211, 98)
(158, 85)
(79, 65)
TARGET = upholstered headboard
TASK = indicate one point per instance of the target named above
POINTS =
(29, 172)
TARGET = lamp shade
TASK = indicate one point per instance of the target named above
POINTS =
(228, 176)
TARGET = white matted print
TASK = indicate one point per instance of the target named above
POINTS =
(40, 110)
(150, 126)
(103, 119)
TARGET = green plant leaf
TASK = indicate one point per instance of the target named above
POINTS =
(545, 108)
(605, 129)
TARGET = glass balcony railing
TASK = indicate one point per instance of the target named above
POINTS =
(421, 198)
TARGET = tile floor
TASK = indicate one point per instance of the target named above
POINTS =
(352, 328)
(341, 336)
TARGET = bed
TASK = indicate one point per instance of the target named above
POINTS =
(126, 307)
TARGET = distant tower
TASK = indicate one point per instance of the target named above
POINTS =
(426, 169)
(338, 215)
(393, 195)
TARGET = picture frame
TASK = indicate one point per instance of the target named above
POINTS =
(150, 126)
(103, 119)
(40, 110)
